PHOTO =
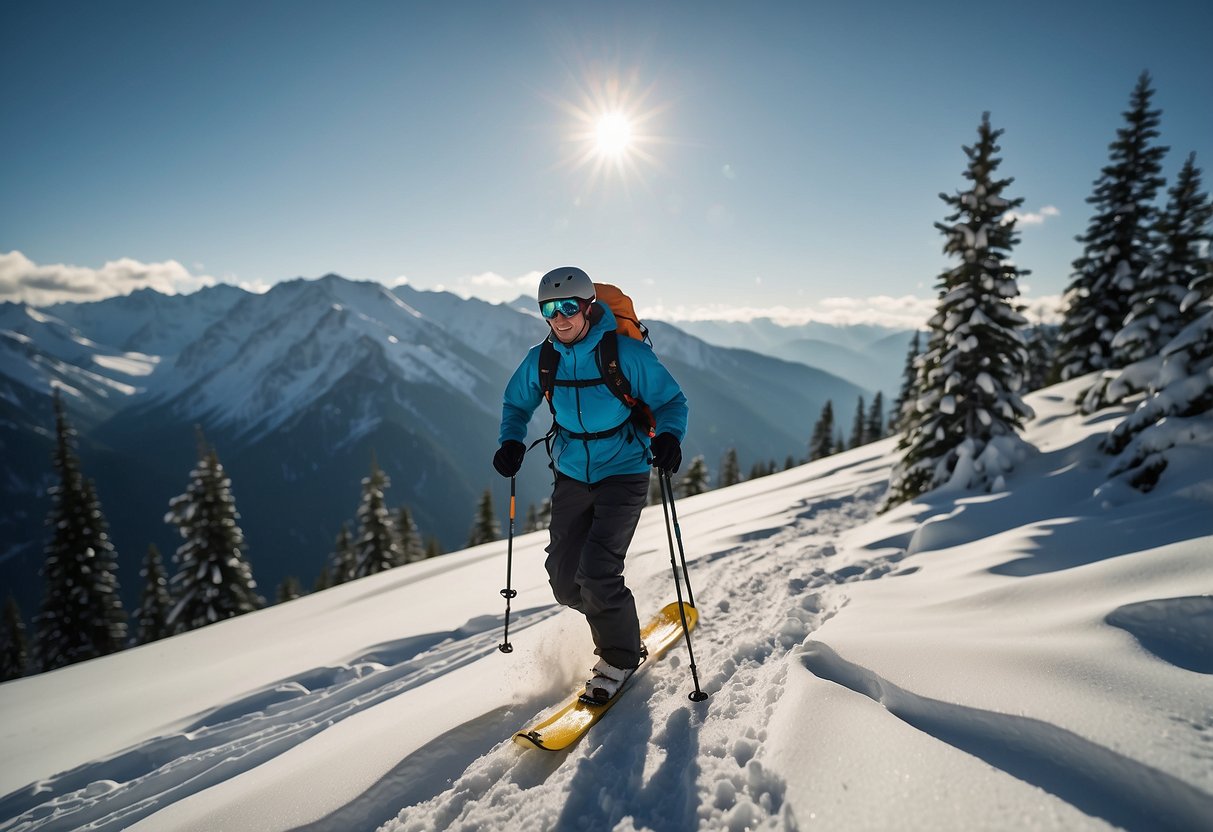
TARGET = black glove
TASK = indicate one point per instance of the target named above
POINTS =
(667, 452)
(508, 458)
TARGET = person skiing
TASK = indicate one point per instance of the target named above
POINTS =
(601, 461)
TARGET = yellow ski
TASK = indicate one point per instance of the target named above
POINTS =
(575, 717)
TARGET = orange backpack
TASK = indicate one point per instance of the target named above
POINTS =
(625, 312)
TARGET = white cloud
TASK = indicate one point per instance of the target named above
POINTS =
(495, 288)
(1034, 217)
(907, 311)
(25, 281)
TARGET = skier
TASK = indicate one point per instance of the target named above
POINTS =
(601, 460)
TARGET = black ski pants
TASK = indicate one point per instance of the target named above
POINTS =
(591, 529)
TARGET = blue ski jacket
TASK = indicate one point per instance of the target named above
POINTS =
(594, 409)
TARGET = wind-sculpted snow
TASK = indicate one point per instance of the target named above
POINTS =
(1097, 780)
(1177, 630)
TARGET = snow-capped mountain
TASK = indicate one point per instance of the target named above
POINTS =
(299, 389)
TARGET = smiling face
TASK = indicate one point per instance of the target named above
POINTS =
(571, 328)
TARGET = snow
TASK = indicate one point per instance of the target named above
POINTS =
(1031, 658)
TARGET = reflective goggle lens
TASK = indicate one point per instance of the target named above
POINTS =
(565, 306)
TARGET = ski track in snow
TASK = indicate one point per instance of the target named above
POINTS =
(114, 793)
(655, 744)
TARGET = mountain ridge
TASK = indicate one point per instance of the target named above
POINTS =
(299, 388)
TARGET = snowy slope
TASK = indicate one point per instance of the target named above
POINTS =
(1029, 659)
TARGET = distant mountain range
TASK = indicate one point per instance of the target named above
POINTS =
(298, 389)
(871, 356)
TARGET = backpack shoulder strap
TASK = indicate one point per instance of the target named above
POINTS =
(608, 363)
(549, 360)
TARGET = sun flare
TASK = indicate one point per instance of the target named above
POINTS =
(613, 134)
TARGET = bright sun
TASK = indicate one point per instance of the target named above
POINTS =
(613, 134)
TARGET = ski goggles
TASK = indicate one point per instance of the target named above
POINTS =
(565, 306)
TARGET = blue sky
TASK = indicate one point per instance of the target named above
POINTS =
(785, 155)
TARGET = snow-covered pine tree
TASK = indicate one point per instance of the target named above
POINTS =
(411, 548)
(859, 435)
(874, 426)
(1156, 317)
(343, 560)
(432, 547)
(14, 647)
(759, 469)
(288, 590)
(908, 394)
(1041, 343)
(696, 480)
(730, 469)
(376, 549)
(1117, 245)
(82, 615)
(1177, 412)
(155, 603)
(963, 429)
(821, 443)
(485, 528)
(213, 581)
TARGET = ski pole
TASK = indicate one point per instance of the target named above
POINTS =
(667, 508)
(686, 576)
(509, 592)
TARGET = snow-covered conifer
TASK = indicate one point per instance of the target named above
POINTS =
(1177, 411)
(859, 435)
(82, 615)
(759, 469)
(696, 479)
(1041, 343)
(963, 428)
(821, 443)
(730, 469)
(874, 426)
(1183, 233)
(1117, 245)
(213, 580)
(411, 548)
(288, 590)
(377, 548)
(908, 395)
(343, 560)
(14, 647)
(155, 603)
(1160, 304)
(485, 527)
(432, 547)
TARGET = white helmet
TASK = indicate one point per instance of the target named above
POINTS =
(566, 282)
